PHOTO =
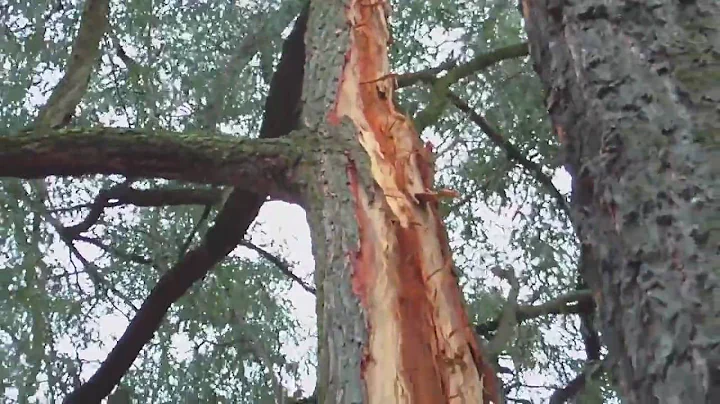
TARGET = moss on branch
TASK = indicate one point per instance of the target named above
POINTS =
(262, 165)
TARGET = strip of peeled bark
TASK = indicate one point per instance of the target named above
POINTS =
(633, 93)
(392, 326)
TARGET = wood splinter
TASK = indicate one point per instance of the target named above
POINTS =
(436, 196)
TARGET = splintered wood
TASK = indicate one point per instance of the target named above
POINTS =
(421, 348)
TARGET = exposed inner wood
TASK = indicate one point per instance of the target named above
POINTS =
(421, 348)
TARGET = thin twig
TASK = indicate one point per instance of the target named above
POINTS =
(85, 51)
(513, 152)
(188, 240)
(283, 266)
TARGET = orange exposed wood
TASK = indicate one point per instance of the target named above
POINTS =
(421, 348)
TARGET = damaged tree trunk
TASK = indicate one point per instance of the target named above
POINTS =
(392, 326)
(633, 89)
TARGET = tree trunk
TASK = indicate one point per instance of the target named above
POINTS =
(633, 89)
(391, 321)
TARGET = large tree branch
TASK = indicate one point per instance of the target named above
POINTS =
(485, 60)
(211, 113)
(230, 226)
(123, 194)
(441, 86)
(263, 165)
(563, 394)
(442, 94)
(588, 328)
(458, 72)
(509, 317)
(513, 152)
(238, 212)
(85, 51)
(570, 303)
(136, 258)
(162, 196)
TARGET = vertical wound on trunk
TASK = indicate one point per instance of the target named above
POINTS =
(421, 348)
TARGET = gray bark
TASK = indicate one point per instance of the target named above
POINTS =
(632, 90)
(331, 214)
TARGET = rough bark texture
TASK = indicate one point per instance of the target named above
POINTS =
(633, 89)
(263, 165)
(59, 109)
(392, 326)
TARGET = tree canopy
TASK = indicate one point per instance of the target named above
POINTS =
(187, 79)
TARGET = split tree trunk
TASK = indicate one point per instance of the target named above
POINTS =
(633, 92)
(392, 326)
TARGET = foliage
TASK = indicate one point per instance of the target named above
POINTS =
(176, 65)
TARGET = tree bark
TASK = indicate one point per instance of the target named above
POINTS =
(260, 165)
(60, 107)
(632, 90)
(392, 326)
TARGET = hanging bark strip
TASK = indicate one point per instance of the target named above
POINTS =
(420, 347)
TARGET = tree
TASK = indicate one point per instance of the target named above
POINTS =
(633, 93)
(165, 89)
(392, 325)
